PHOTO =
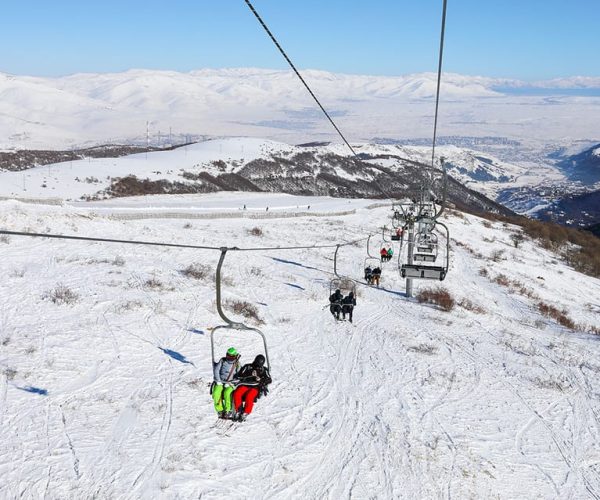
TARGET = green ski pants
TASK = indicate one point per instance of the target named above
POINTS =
(222, 397)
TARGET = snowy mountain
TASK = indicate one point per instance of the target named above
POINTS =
(91, 109)
(243, 164)
(105, 360)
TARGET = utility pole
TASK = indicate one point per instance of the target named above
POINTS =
(411, 242)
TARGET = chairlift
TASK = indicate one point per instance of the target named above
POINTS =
(232, 325)
(427, 252)
(373, 263)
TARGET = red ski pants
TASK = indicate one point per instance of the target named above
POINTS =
(248, 395)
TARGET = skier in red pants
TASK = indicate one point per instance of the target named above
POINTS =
(253, 381)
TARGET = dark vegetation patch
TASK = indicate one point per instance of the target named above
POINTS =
(558, 315)
(197, 271)
(25, 159)
(243, 308)
(439, 296)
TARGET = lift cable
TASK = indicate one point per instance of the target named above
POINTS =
(439, 79)
(289, 61)
(174, 245)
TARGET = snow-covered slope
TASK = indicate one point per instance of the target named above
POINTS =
(108, 397)
(92, 177)
(50, 113)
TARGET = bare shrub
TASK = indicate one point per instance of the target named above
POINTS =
(489, 240)
(439, 296)
(197, 271)
(10, 373)
(487, 223)
(187, 225)
(483, 272)
(255, 231)
(423, 349)
(61, 295)
(502, 280)
(4, 239)
(243, 308)
(118, 261)
(471, 306)
(561, 317)
(517, 239)
(497, 255)
(5, 341)
(130, 305)
(17, 273)
(256, 271)
(154, 284)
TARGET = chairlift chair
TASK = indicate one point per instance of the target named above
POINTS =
(427, 252)
(230, 324)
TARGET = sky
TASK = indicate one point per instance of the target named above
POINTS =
(524, 39)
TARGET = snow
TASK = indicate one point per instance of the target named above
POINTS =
(108, 397)
(596, 152)
(89, 109)
(84, 178)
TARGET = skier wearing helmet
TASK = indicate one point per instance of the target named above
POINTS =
(253, 381)
(224, 374)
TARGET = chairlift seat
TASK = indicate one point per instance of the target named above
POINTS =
(424, 257)
(395, 237)
(423, 272)
(425, 248)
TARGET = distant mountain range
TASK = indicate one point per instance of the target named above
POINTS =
(90, 109)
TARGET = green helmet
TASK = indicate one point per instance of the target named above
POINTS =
(232, 352)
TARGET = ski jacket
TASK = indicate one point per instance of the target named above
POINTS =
(225, 370)
(336, 298)
(383, 251)
(349, 301)
(377, 271)
(252, 376)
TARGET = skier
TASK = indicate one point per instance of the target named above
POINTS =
(390, 253)
(335, 304)
(348, 304)
(369, 275)
(253, 381)
(383, 254)
(376, 276)
(224, 374)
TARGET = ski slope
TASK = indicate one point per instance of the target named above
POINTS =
(108, 397)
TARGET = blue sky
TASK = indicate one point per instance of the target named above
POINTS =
(526, 39)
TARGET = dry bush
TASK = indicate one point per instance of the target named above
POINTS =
(10, 373)
(515, 286)
(438, 296)
(561, 317)
(471, 306)
(61, 295)
(118, 261)
(255, 231)
(187, 225)
(243, 308)
(4, 239)
(423, 349)
(593, 329)
(502, 280)
(154, 284)
(489, 240)
(256, 271)
(17, 273)
(497, 255)
(517, 239)
(487, 223)
(197, 271)
(483, 272)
